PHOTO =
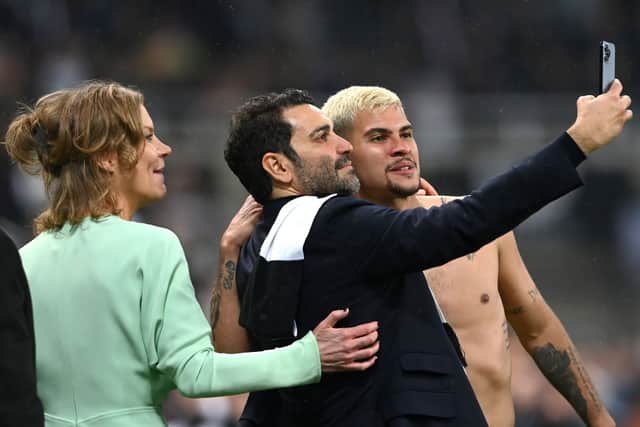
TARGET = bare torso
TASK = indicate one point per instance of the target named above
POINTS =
(467, 291)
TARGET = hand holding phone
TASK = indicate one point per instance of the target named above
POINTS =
(607, 65)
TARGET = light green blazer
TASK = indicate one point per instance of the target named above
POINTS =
(117, 326)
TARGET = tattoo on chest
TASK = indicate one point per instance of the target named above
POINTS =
(230, 272)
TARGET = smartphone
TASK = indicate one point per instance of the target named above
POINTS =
(607, 65)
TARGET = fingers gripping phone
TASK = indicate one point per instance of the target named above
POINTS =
(607, 65)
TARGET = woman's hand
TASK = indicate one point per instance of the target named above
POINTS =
(346, 349)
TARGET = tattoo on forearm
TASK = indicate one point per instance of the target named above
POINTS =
(230, 268)
(556, 366)
(214, 314)
(533, 293)
(214, 306)
(225, 278)
(586, 380)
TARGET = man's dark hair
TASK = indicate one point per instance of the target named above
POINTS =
(257, 127)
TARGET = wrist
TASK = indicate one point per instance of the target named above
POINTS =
(581, 140)
(229, 247)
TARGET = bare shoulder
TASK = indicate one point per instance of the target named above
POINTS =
(507, 243)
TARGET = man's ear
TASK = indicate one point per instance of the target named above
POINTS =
(279, 167)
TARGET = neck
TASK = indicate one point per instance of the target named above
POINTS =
(390, 200)
(280, 191)
(126, 209)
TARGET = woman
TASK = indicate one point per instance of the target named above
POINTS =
(117, 324)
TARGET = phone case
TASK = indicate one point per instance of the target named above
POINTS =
(607, 65)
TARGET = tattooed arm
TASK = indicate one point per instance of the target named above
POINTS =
(228, 335)
(543, 336)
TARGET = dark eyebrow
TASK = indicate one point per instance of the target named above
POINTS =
(377, 130)
(319, 129)
(387, 131)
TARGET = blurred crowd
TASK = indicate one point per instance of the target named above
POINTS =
(484, 83)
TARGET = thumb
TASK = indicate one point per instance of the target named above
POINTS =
(334, 317)
(616, 87)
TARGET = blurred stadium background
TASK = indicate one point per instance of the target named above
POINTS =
(484, 83)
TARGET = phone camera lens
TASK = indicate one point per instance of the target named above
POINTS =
(607, 52)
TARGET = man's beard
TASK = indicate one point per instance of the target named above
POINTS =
(322, 178)
(403, 191)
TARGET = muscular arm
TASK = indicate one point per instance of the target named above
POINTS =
(543, 336)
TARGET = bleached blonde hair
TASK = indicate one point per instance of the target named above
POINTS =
(343, 106)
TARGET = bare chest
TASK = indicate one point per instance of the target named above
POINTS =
(467, 288)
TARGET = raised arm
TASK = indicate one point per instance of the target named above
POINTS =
(411, 240)
(600, 119)
(228, 335)
(543, 336)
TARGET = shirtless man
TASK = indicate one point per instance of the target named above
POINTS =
(475, 291)
(478, 293)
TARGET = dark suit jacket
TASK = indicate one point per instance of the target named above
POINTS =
(370, 259)
(19, 403)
